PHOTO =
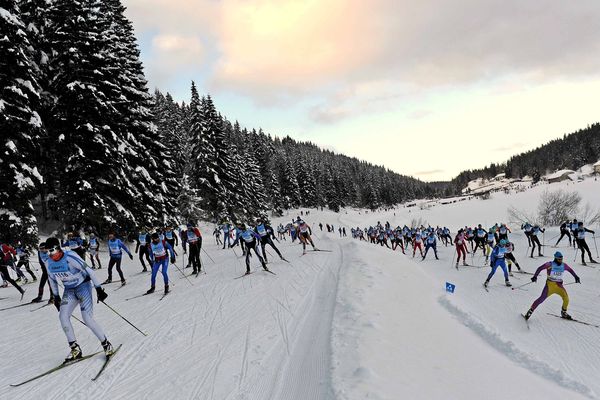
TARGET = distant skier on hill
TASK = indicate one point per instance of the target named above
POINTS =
(554, 284)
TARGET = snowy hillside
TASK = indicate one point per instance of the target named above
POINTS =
(358, 322)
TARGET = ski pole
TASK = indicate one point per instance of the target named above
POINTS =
(595, 245)
(452, 263)
(208, 255)
(570, 283)
(576, 250)
(124, 319)
(184, 275)
(520, 286)
(78, 320)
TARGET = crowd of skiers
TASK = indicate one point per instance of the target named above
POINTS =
(496, 247)
(63, 262)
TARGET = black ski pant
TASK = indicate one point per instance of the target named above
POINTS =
(24, 262)
(479, 242)
(145, 252)
(583, 247)
(563, 233)
(264, 241)
(511, 257)
(252, 246)
(528, 236)
(172, 243)
(7, 278)
(194, 259)
(535, 240)
(43, 281)
(115, 261)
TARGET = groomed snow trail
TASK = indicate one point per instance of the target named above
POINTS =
(259, 337)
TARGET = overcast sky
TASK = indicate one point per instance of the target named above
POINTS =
(426, 88)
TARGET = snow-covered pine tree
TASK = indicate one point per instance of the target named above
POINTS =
(84, 127)
(188, 201)
(147, 151)
(211, 161)
(21, 129)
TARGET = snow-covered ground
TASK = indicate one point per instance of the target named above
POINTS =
(360, 322)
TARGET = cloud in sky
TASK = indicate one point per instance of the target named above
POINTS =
(447, 71)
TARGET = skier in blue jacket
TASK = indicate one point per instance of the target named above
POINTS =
(497, 260)
(115, 248)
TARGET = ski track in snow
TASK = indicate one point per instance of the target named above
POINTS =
(358, 322)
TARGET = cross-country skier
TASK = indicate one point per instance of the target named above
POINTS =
(75, 243)
(509, 255)
(251, 239)
(171, 237)
(93, 247)
(23, 255)
(417, 242)
(554, 284)
(5, 259)
(159, 250)
(77, 278)
(194, 241)
(461, 247)
(564, 231)
(304, 233)
(497, 260)
(431, 243)
(43, 260)
(141, 247)
(581, 243)
(265, 231)
(535, 240)
(115, 247)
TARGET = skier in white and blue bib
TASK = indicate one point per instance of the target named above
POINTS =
(497, 260)
(142, 243)
(251, 239)
(265, 231)
(77, 278)
(115, 247)
(159, 254)
(93, 247)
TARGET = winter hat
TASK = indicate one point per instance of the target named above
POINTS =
(558, 254)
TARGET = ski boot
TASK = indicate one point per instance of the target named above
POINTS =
(166, 289)
(511, 274)
(151, 290)
(74, 354)
(123, 282)
(25, 281)
(107, 281)
(108, 348)
(563, 314)
(144, 269)
(528, 315)
(51, 300)
(507, 283)
(486, 283)
(37, 300)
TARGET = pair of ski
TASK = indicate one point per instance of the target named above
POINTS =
(251, 272)
(314, 251)
(566, 319)
(67, 364)
(146, 294)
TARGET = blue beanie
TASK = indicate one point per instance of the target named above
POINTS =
(558, 254)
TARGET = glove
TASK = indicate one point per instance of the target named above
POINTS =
(57, 300)
(577, 279)
(534, 279)
(131, 256)
(101, 294)
(172, 260)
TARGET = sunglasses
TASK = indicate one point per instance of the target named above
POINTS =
(54, 250)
